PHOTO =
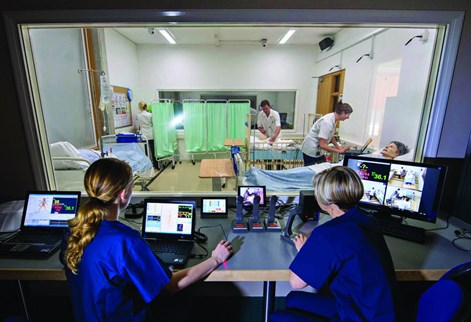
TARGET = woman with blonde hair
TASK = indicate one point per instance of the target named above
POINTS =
(145, 125)
(347, 255)
(112, 272)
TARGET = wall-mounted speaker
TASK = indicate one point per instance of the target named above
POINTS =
(326, 43)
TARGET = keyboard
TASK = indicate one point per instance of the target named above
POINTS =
(47, 239)
(399, 230)
(171, 247)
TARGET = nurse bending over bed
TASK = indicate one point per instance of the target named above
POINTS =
(301, 178)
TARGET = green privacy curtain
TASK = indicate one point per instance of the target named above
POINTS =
(194, 118)
(165, 135)
(217, 128)
(237, 119)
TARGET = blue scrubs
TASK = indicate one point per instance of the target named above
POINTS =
(117, 277)
(349, 254)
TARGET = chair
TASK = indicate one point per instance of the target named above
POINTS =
(447, 300)
(303, 306)
(444, 301)
(460, 274)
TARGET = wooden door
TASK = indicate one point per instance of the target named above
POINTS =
(329, 91)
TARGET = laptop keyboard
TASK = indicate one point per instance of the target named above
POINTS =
(171, 247)
(35, 238)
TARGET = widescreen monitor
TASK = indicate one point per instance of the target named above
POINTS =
(401, 188)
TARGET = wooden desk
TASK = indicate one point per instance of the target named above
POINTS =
(234, 142)
(216, 169)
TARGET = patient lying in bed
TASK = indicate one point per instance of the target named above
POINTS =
(301, 178)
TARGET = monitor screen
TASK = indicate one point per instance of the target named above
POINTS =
(213, 207)
(169, 217)
(50, 208)
(406, 189)
(249, 193)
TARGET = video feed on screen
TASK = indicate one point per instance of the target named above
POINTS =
(249, 192)
(393, 185)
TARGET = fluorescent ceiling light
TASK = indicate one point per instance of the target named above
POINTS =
(168, 36)
(287, 36)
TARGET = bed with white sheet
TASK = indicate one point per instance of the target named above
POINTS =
(293, 179)
(281, 154)
(70, 163)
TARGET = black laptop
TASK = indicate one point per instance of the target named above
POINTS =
(45, 216)
(169, 226)
(361, 150)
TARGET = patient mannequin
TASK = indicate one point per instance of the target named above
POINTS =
(391, 151)
(301, 178)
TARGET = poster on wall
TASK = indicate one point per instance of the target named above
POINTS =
(121, 106)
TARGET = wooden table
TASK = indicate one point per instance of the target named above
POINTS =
(234, 142)
(216, 169)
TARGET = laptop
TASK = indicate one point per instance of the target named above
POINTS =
(361, 150)
(169, 228)
(44, 220)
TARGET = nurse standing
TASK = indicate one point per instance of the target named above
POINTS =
(322, 133)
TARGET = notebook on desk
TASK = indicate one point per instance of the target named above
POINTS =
(361, 150)
(169, 226)
(45, 216)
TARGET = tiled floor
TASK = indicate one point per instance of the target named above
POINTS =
(185, 178)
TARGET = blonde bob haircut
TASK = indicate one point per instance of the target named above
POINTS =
(338, 185)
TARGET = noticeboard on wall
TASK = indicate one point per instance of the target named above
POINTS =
(121, 106)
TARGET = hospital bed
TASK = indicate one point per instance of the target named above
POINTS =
(281, 154)
(70, 163)
(293, 179)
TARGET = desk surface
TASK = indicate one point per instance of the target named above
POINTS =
(264, 256)
(216, 168)
(234, 142)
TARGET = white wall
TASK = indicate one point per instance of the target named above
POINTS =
(146, 68)
(122, 61)
(402, 114)
(229, 68)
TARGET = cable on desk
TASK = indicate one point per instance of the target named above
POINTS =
(461, 235)
(223, 232)
(206, 253)
(440, 228)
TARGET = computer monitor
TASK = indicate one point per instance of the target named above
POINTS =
(401, 188)
(249, 193)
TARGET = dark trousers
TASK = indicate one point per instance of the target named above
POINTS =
(150, 144)
(308, 160)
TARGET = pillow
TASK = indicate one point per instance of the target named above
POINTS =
(66, 149)
(90, 155)
(406, 157)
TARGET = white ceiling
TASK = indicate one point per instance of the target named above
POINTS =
(228, 35)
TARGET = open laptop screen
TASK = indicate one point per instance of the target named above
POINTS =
(169, 217)
(50, 209)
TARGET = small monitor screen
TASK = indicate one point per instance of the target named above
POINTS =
(406, 189)
(213, 207)
(249, 193)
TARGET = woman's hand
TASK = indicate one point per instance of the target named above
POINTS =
(222, 251)
(299, 241)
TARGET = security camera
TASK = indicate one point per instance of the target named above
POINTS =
(264, 42)
(151, 31)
